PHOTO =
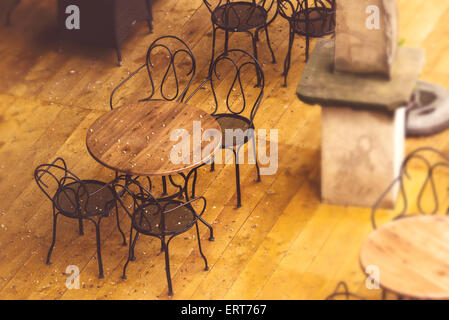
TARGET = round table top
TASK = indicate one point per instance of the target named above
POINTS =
(412, 255)
(135, 139)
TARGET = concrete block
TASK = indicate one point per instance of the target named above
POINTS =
(362, 151)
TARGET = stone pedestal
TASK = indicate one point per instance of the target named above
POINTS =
(361, 154)
(363, 124)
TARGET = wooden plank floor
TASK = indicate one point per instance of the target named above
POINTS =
(283, 244)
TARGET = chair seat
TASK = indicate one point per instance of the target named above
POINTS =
(321, 22)
(411, 255)
(148, 220)
(99, 203)
(242, 16)
(233, 122)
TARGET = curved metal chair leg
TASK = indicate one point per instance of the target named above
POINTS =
(133, 256)
(162, 245)
(100, 261)
(214, 35)
(195, 177)
(226, 44)
(167, 268)
(255, 158)
(164, 186)
(118, 224)
(212, 165)
(307, 48)
(288, 57)
(211, 229)
(253, 38)
(55, 216)
(269, 45)
(206, 268)
(237, 179)
(130, 252)
(81, 227)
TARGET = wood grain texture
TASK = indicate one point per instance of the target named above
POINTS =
(140, 139)
(412, 255)
(282, 244)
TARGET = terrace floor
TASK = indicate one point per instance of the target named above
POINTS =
(282, 244)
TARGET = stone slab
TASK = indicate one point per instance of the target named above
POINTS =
(366, 36)
(361, 155)
(319, 84)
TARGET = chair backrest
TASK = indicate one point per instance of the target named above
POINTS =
(171, 67)
(266, 4)
(240, 80)
(229, 11)
(55, 177)
(433, 161)
(308, 10)
(147, 213)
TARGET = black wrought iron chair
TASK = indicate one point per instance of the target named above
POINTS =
(167, 50)
(76, 199)
(432, 160)
(308, 18)
(164, 219)
(237, 114)
(242, 16)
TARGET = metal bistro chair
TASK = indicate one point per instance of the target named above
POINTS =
(308, 18)
(238, 115)
(172, 49)
(164, 219)
(76, 199)
(242, 16)
(432, 160)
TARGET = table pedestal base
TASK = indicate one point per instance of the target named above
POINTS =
(361, 155)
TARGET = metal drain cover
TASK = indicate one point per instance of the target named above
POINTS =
(428, 112)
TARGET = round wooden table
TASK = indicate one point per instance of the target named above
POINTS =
(412, 255)
(136, 139)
